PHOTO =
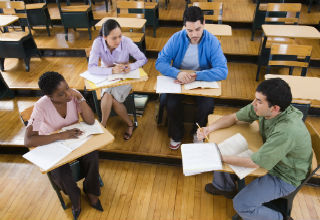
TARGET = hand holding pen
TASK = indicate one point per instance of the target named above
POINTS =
(202, 133)
(120, 68)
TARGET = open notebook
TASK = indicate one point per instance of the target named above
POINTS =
(198, 158)
(46, 156)
(166, 84)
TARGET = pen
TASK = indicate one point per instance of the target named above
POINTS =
(202, 131)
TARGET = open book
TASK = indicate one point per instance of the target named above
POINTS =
(201, 84)
(46, 156)
(198, 158)
(237, 145)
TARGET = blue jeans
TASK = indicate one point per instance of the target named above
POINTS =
(248, 203)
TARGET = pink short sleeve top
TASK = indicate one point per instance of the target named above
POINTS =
(45, 118)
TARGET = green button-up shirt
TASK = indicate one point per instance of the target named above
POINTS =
(287, 150)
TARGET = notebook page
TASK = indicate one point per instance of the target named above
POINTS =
(233, 145)
(94, 78)
(166, 84)
(242, 172)
(47, 156)
(197, 158)
(86, 128)
(201, 84)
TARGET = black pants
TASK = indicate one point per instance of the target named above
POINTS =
(204, 105)
(62, 176)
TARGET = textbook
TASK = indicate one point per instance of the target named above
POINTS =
(204, 157)
(46, 156)
(237, 145)
(201, 84)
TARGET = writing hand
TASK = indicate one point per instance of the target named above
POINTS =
(202, 133)
(118, 68)
(73, 133)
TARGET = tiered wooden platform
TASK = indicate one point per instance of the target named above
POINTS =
(133, 190)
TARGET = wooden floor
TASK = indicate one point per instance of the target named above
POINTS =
(132, 191)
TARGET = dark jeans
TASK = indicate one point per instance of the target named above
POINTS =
(204, 105)
(62, 176)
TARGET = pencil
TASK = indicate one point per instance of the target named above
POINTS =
(202, 131)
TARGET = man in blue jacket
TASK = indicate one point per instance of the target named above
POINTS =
(191, 49)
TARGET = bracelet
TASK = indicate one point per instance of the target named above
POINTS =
(81, 100)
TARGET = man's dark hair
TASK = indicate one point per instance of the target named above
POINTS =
(277, 92)
(49, 81)
(193, 14)
(108, 26)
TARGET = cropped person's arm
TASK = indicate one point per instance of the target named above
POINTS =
(219, 70)
(166, 55)
(84, 109)
(240, 161)
(93, 66)
(135, 52)
(224, 122)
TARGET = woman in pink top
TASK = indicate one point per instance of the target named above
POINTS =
(113, 50)
(60, 107)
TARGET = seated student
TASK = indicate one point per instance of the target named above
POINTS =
(113, 50)
(59, 107)
(191, 49)
(286, 152)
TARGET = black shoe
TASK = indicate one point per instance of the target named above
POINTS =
(214, 191)
(76, 213)
(97, 206)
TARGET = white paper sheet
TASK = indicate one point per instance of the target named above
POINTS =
(47, 156)
(94, 78)
(85, 128)
(198, 158)
(134, 74)
(201, 84)
(166, 84)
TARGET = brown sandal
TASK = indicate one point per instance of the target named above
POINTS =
(126, 135)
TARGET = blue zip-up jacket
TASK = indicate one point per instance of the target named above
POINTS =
(213, 64)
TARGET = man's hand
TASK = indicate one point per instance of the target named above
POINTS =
(202, 133)
(185, 77)
(68, 134)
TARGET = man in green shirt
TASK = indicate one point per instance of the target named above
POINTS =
(286, 152)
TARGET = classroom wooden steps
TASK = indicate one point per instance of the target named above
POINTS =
(134, 191)
(12, 128)
(240, 84)
(239, 44)
(233, 11)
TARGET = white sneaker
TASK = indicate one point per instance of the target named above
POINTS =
(174, 145)
(195, 139)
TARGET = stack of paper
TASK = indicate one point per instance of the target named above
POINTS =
(201, 84)
(166, 84)
(198, 158)
(47, 156)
